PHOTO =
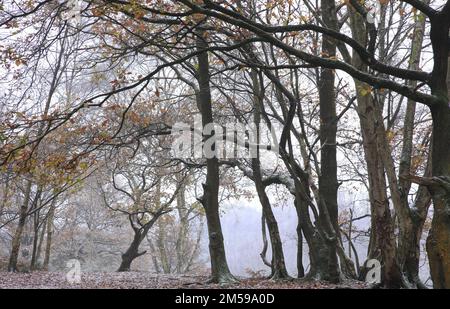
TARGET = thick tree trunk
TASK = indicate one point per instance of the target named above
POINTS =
(15, 246)
(220, 272)
(132, 252)
(419, 215)
(438, 242)
(319, 254)
(328, 184)
(140, 233)
(382, 244)
(321, 238)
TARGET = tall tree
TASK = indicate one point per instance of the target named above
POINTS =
(210, 199)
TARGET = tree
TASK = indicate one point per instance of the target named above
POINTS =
(311, 69)
(141, 199)
(210, 199)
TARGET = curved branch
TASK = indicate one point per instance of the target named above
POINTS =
(421, 6)
(370, 79)
(365, 55)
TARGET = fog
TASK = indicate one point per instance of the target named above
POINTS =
(241, 224)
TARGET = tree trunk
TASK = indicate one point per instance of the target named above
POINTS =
(318, 250)
(36, 228)
(15, 246)
(382, 244)
(39, 247)
(183, 232)
(300, 267)
(132, 252)
(161, 246)
(48, 244)
(409, 246)
(263, 253)
(278, 264)
(220, 272)
(438, 242)
(328, 184)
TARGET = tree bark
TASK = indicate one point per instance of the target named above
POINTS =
(132, 252)
(278, 264)
(39, 247)
(15, 245)
(438, 241)
(409, 248)
(328, 184)
(161, 245)
(37, 224)
(48, 244)
(382, 244)
(183, 231)
(220, 272)
(300, 267)
(319, 256)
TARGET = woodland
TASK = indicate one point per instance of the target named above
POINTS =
(349, 101)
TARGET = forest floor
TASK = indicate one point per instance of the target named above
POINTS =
(143, 280)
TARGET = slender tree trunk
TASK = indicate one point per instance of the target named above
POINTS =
(161, 245)
(154, 257)
(36, 228)
(219, 267)
(278, 264)
(263, 253)
(39, 247)
(418, 215)
(300, 267)
(6, 189)
(183, 231)
(48, 244)
(23, 213)
(409, 245)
